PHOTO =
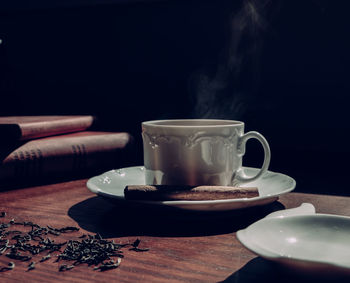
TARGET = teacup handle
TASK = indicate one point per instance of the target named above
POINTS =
(240, 177)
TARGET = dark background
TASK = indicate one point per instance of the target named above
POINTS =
(280, 66)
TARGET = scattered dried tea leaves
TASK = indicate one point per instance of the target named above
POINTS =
(92, 250)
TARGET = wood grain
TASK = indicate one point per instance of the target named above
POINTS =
(184, 246)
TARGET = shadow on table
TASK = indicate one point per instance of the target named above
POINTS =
(118, 219)
(263, 271)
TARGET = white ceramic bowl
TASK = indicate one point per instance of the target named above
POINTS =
(314, 242)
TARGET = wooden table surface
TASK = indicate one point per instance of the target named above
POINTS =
(183, 246)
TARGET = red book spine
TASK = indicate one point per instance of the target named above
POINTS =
(68, 155)
(54, 127)
(30, 127)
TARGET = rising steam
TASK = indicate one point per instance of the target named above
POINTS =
(226, 91)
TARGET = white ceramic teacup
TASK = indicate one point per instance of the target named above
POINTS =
(197, 152)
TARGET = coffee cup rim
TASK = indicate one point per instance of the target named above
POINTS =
(186, 123)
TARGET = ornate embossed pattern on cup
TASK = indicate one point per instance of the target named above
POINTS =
(190, 140)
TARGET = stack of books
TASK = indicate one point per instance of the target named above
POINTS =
(41, 149)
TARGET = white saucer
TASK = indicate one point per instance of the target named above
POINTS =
(112, 183)
(312, 242)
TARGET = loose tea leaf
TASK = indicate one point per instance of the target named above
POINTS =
(68, 229)
(18, 256)
(31, 266)
(136, 243)
(136, 248)
(108, 265)
(62, 230)
(44, 258)
(4, 225)
(65, 267)
(10, 266)
(139, 250)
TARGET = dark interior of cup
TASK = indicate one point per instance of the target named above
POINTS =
(194, 122)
